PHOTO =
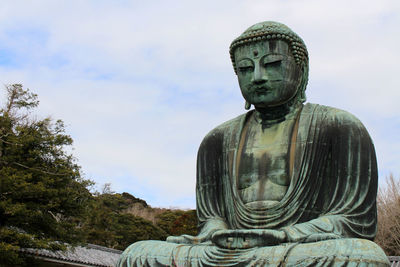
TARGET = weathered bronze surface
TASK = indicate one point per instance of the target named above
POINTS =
(286, 183)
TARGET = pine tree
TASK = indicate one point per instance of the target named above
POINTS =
(43, 196)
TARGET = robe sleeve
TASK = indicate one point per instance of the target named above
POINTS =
(345, 185)
(209, 197)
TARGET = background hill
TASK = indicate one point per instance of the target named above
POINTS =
(117, 220)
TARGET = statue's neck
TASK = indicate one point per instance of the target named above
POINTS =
(273, 115)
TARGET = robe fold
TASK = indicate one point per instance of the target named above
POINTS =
(328, 212)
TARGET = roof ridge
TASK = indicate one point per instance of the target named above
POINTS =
(98, 247)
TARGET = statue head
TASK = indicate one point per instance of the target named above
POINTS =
(271, 62)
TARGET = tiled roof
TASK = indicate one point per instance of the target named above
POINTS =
(394, 261)
(91, 255)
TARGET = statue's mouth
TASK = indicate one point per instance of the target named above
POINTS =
(262, 89)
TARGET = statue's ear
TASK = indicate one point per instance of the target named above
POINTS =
(247, 105)
(303, 83)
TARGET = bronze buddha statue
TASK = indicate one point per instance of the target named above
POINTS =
(286, 183)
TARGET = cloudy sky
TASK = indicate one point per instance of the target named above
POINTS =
(139, 83)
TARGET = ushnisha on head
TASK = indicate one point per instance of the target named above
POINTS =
(268, 32)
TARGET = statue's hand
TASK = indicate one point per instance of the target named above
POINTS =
(188, 239)
(208, 229)
(244, 238)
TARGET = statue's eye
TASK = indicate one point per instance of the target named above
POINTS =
(245, 65)
(272, 60)
(245, 68)
(272, 63)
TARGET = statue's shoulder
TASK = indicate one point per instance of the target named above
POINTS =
(333, 115)
(336, 121)
(229, 125)
(226, 128)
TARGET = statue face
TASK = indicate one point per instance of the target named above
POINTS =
(267, 72)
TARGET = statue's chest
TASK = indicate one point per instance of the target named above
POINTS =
(263, 160)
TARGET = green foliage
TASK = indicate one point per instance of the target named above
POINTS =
(109, 225)
(132, 200)
(42, 194)
(178, 222)
(9, 255)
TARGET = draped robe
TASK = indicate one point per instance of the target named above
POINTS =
(328, 212)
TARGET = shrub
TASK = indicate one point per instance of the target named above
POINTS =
(388, 201)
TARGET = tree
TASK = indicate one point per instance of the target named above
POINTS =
(43, 196)
(388, 235)
(178, 222)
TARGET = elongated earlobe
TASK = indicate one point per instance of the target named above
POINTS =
(247, 105)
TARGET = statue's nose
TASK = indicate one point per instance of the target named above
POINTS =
(258, 77)
(259, 81)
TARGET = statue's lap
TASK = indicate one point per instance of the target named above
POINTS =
(338, 252)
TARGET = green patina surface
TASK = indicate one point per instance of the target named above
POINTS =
(286, 183)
